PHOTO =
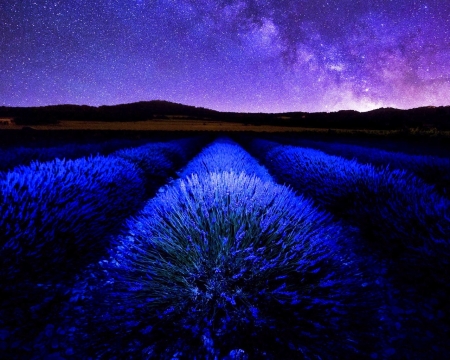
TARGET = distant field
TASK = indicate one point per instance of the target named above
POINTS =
(185, 124)
(158, 125)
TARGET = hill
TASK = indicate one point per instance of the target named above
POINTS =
(379, 119)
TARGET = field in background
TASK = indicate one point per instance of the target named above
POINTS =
(159, 125)
(186, 124)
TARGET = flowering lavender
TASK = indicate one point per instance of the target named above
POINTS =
(434, 170)
(226, 263)
(57, 212)
(225, 155)
(56, 218)
(20, 155)
(159, 161)
(395, 210)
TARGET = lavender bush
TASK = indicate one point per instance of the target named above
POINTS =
(225, 155)
(22, 156)
(159, 161)
(432, 169)
(399, 213)
(59, 211)
(56, 218)
(224, 264)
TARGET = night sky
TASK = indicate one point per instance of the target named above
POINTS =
(228, 55)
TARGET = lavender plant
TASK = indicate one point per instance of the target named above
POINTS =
(56, 218)
(432, 169)
(227, 264)
(22, 156)
(159, 161)
(399, 213)
(225, 155)
(57, 212)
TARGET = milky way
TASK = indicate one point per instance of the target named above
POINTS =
(229, 55)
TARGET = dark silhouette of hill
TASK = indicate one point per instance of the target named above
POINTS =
(144, 110)
(379, 119)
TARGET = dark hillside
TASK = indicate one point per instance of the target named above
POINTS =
(379, 119)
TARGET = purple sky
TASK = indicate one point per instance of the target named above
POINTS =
(228, 55)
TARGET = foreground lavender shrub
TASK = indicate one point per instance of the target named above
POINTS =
(55, 215)
(225, 155)
(230, 264)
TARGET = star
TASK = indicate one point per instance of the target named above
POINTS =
(234, 55)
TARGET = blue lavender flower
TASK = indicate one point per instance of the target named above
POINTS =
(433, 169)
(279, 280)
(225, 155)
(396, 211)
(57, 214)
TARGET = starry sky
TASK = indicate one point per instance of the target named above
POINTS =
(227, 55)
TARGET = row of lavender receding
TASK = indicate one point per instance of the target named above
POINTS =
(24, 155)
(225, 263)
(56, 217)
(403, 222)
(395, 210)
(434, 170)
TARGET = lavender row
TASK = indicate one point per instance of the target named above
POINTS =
(63, 208)
(160, 161)
(225, 263)
(395, 210)
(16, 156)
(432, 169)
(56, 218)
(225, 155)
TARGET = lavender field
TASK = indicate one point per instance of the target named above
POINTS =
(217, 248)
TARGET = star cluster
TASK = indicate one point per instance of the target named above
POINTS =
(228, 55)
